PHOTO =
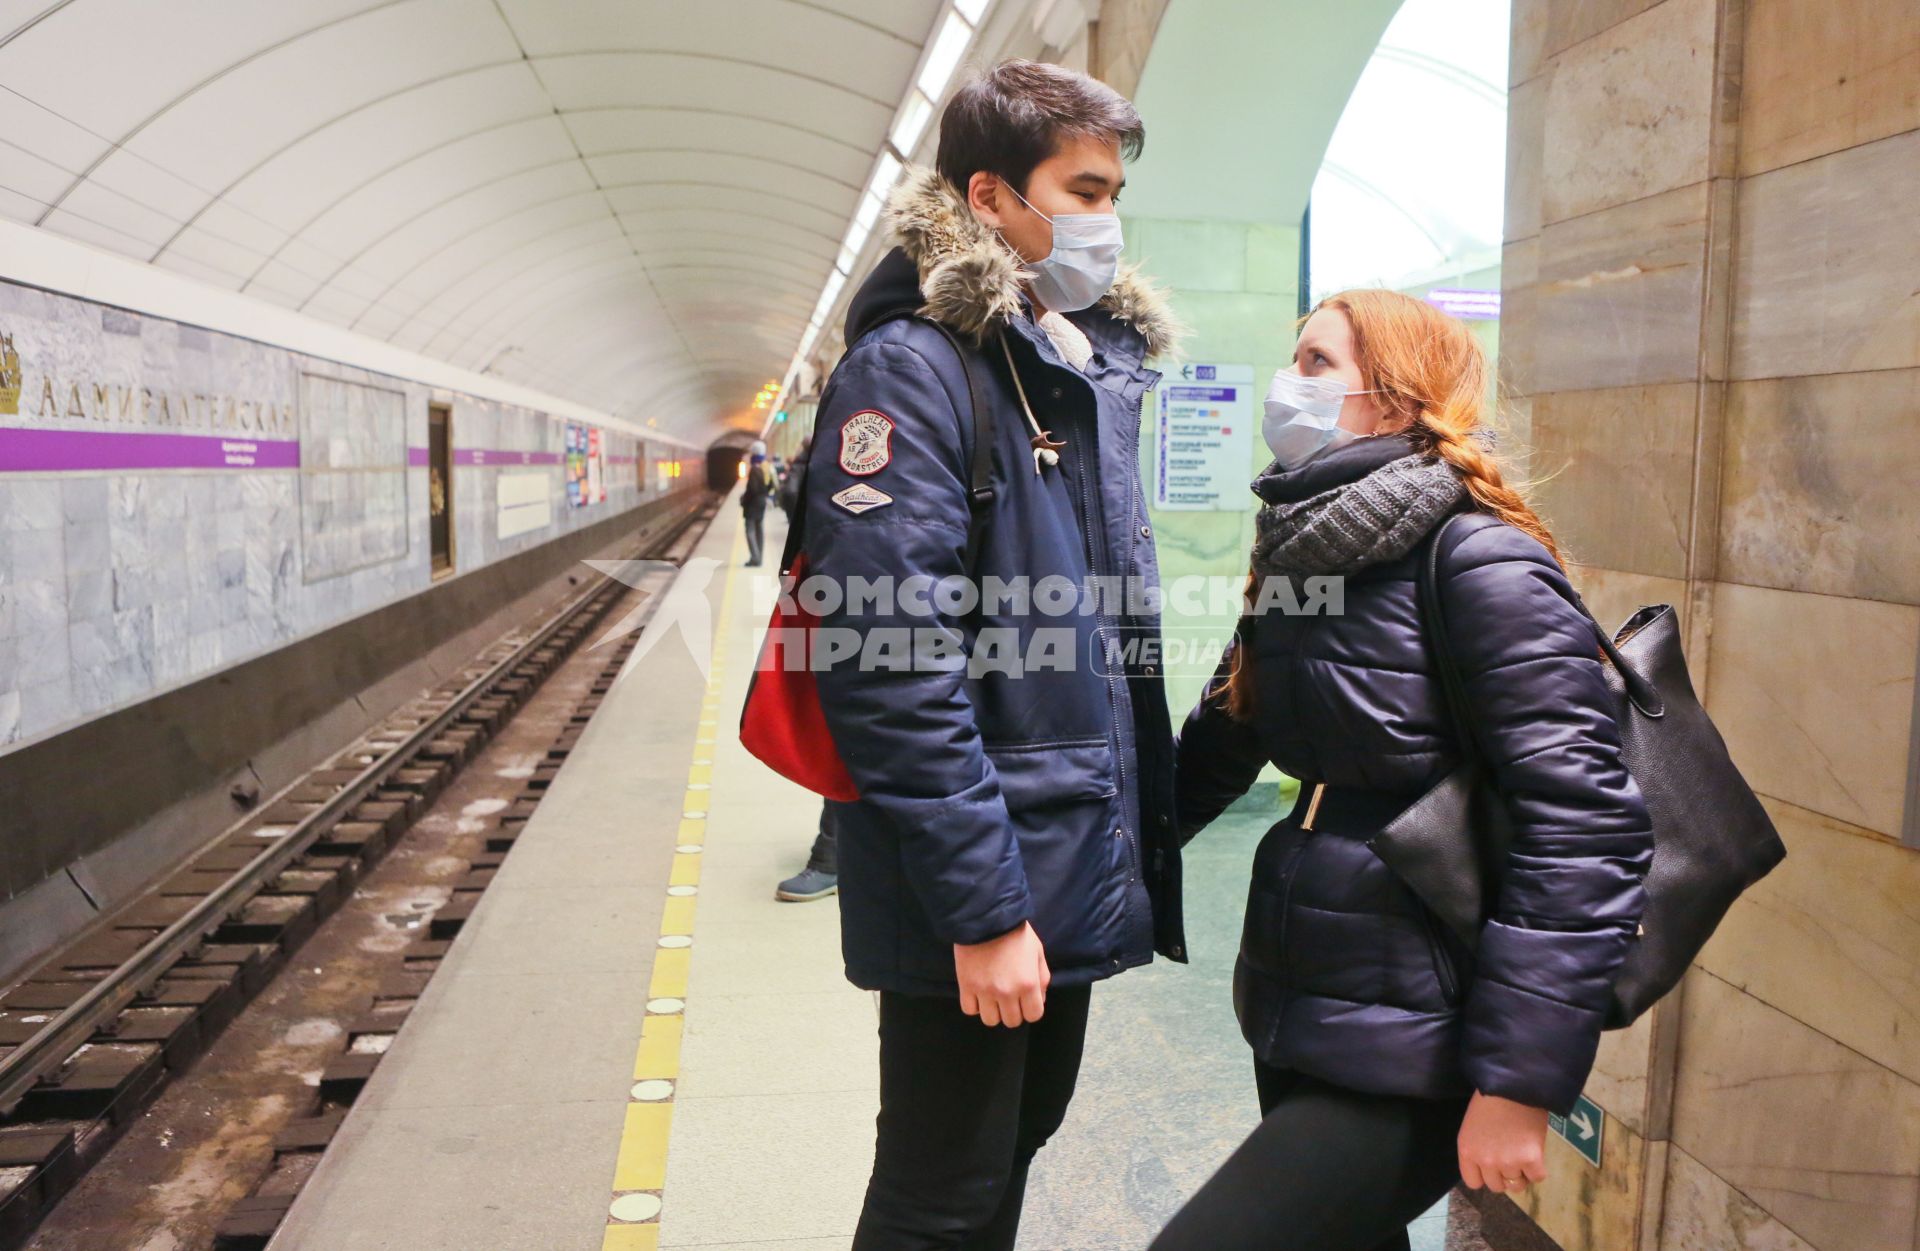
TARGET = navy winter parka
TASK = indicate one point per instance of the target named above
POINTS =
(1035, 785)
(1342, 972)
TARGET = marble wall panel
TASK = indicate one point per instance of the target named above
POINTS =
(1574, 21)
(1831, 937)
(1815, 1134)
(1823, 75)
(1526, 158)
(1818, 487)
(113, 586)
(1519, 316)
(1828, 253)
(1527, 39)
(1541, 29)
(1702, 1213)
(1619, 296)
(1814, 694)
(1624, 457)
(353, 458)
(1618, 1081)
(1629, 112)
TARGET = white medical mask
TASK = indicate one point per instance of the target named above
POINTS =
(1084, 261)
(1303, 417)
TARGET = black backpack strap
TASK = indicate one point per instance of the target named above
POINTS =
(980, 492)
(980, 471)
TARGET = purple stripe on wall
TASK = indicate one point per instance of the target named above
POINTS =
(30, 451)
(417, 456)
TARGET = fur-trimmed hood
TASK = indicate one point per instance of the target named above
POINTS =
(970, 279)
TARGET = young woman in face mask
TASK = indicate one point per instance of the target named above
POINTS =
(1390, 1063)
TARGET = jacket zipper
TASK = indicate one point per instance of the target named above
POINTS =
(1442, 958)
(1094, 550)
(1286, 911)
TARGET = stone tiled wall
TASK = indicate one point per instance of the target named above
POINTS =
(353, 483)
(1122, 39)
(116, 585)
(1711, 266)
(1236, 284)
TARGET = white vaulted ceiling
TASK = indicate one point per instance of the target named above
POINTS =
(629, 203)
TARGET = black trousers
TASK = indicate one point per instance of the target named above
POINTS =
(756, 520)
(963, 1109)
(825, 856)
(1329, 1169)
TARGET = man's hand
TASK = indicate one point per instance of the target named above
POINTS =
(1003, 981)
(1503, 1144)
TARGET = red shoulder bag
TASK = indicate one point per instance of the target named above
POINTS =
(782, 723)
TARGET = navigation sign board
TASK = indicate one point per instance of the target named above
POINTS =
(1581, 1128)
(1203, 449)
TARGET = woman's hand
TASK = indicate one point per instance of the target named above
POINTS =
(1503, 1144)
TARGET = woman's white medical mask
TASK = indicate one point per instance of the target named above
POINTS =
(1303, 417)
(1084, 261)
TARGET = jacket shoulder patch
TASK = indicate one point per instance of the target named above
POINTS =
(866, 443)
(859, 497)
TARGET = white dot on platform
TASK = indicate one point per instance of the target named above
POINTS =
(676, 940)
(639, 1206)
(653, 1091)
(682, 891)
(689, 849)
(695, 814)
(666, 1007)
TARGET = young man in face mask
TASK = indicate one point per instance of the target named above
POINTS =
(1012, 842)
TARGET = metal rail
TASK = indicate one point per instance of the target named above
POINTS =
(53, 1044)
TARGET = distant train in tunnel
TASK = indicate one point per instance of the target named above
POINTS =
(723, 466)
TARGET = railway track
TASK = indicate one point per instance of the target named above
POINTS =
(93, 1034)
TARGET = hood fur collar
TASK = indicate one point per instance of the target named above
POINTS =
(971, 280)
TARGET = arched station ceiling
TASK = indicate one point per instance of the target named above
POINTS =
(629, 203)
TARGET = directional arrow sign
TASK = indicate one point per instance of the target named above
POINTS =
(1581, 1128)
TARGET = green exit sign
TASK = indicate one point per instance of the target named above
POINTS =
(1581, 1128)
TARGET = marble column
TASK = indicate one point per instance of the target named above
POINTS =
(1712, 325)
(1121, 38)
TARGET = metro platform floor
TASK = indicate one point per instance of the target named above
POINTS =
(632, 1045)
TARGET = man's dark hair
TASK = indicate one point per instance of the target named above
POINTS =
(1012, 117)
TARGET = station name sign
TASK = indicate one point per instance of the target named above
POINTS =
(91, 399)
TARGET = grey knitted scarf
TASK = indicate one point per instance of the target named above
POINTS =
(1377, 517)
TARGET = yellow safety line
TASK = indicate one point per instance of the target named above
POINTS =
(640, 1171)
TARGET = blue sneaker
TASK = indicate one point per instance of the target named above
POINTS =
(807, 884)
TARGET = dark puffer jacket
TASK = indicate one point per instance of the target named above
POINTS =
(1343, 973)
(1006, 792)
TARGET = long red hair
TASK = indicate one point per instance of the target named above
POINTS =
(1431, 371)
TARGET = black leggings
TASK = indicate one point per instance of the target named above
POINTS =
(963, 1109)
(1329, 1169)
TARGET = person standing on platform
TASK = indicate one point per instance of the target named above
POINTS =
(821, 876)
(795, 482)
(1392, 1062)
(759, 487)
(1012, 842)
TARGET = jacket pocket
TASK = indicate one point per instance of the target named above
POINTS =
(1062, 771)
(1444, 967)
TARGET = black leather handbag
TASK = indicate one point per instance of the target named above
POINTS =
(1712, 838)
